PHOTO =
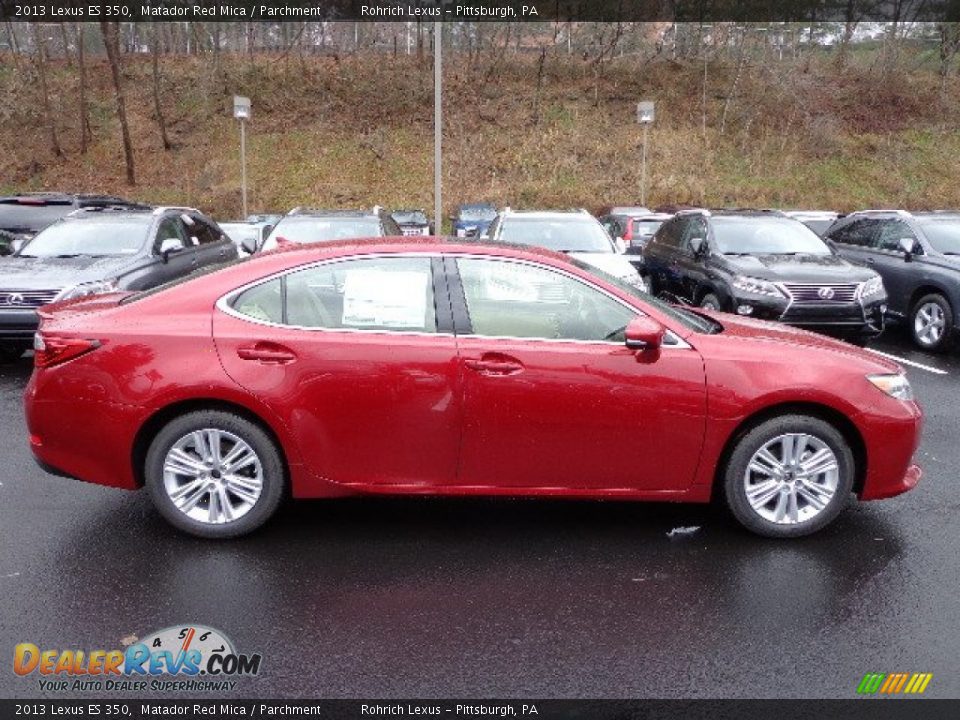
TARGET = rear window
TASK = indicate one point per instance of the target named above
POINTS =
(646, 227)
(31, 217)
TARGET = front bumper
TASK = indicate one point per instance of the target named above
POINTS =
(862, 318)
(18, 324)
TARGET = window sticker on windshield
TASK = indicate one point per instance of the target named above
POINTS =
(381, 298)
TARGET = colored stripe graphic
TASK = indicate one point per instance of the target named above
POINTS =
(894, 683)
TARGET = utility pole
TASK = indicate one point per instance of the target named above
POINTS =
(645, 115)
(241, 111)
(437, 126)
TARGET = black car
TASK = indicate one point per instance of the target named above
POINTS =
(412, 222)
(302, 225)
(23, 216)
(918, 256)
(100, 250)
(764, 265)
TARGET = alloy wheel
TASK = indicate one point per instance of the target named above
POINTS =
(212, 476)
(929, 324)
(791, 479)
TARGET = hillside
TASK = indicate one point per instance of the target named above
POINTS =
(357, 130)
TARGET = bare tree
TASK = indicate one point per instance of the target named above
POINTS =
(84, 111)
(157, 107)
(111, 42)
(44, 90)
(949, 45)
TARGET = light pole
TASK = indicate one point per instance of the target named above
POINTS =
(437, 126)
(645, 115)
(241, 111)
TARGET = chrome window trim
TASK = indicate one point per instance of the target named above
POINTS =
(672, 341)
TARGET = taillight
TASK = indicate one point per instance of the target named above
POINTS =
(49, 351)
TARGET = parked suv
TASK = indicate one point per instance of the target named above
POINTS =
(98, 250)
(412, 221)
(918, 256)
(635, 226)
(765, 265)
(574, 232)
(23, 216)
(472, 219)
(303, 225)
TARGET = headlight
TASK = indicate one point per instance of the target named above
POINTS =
(756, 286)
(97, 287)
(872, 286)
(896, 386)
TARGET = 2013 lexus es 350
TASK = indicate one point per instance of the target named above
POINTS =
(437, 367)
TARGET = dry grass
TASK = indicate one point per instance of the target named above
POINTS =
(358, 131)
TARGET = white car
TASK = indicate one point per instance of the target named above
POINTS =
(574, 232)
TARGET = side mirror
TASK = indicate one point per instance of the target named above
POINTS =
(621, 245)
(249, 244)
(909, 247)
(643, 333)
(698, 246)
(170, 246)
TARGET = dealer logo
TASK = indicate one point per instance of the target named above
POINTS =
(199, 658)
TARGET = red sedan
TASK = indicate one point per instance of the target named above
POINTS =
(430, 367)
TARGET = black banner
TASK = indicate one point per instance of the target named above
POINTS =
(854, 709)
(479, 10)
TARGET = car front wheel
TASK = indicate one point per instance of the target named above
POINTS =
(214, 474)
(931, 322)
(710, 302)
(789, 476)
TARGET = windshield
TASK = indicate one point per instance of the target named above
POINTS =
(943, 235)
(688, 319)
(765, 236)
(646, 227)
(24, 217)
(410, 218)
(312, 229)
(94, 238)
(477, 212)
(570, 234)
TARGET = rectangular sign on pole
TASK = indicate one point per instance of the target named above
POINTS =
(645, 112)
(241, 107)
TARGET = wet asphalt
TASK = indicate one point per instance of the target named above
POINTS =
(421, 597)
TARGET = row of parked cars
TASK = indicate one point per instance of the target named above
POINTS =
(845, 275)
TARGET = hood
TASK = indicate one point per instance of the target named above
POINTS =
(24, 273)
(735, 326)
(798, 268)
(611, 263)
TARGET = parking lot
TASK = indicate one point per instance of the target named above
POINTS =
(524, 598)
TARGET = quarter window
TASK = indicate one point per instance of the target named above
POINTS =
(384, 294)
(509, 299)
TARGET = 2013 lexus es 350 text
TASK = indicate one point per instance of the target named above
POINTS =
(437, 367)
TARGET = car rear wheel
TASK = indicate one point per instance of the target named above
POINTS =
(789, 476)
(931, 322)
(710, 302)
(214, 474)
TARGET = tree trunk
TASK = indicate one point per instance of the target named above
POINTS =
(110, 41)
(42, 71)
(84, 112)
(157, 108)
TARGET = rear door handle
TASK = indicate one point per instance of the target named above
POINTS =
(267, 353)
(494, 364)
(871, 261)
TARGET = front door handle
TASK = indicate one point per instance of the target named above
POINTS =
(267, 353)
(494, 364)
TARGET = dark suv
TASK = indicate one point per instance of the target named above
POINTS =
(764, 265)
(23, 216)
(302, 225)
(99, 250)
(918, 256)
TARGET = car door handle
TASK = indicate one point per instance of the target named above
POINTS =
(267, 353)
(871, 261)
(493, 364)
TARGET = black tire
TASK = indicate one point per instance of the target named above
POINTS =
(752, 441)
(272, 488)
(943, 342)
(710, 302)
